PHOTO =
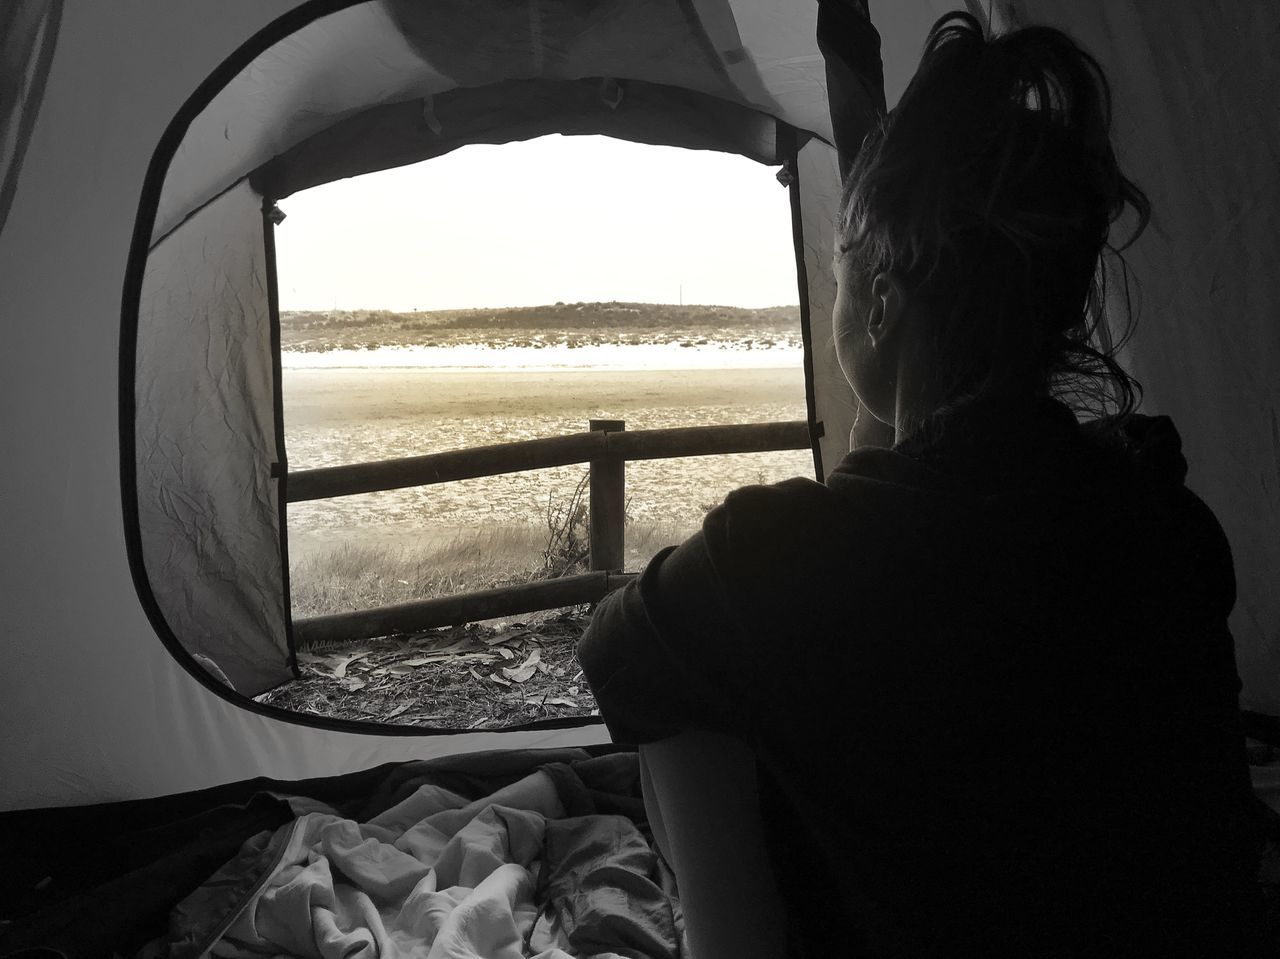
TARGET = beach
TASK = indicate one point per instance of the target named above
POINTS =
(331, 396)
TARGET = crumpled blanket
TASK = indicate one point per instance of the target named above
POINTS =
(438, 876)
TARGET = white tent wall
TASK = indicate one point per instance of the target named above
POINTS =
(93, 707)
(206, 449)
(1195, 120)
(337, 65)
(903, 28)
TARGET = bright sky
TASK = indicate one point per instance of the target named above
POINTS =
(559, 218)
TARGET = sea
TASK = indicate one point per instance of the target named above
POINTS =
(558, 356)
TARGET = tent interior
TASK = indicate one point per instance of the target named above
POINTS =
(144, 149)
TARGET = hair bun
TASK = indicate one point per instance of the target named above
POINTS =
(992, 189)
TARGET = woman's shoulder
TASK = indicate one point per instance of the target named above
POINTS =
(800, 498)
(800, 524)
(770, 513)
(1151, 446)
(1145, 453)
(1148, 494)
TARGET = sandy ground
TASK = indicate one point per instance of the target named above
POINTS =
(317, 397)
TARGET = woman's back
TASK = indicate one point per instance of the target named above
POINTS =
(985, 675)
(1012, 727)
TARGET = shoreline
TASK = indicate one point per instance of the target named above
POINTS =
(330, 396)
(553, 357)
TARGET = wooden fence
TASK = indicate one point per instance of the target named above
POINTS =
(606, 446)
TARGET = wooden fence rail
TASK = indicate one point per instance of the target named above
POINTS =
(540, 454)
(606, 446)
(452, 610)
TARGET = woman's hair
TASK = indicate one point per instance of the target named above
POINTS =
(991, 190)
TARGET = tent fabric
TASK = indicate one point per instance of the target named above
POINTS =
(396, 134)
(95, 708)
(207, 462)
(855, 75)
(397, 51)
(836, 407)
(341, 63)
(28, 32)
(1194, 89)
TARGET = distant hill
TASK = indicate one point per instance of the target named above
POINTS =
(573, 323)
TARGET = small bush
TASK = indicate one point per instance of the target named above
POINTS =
(568, 546)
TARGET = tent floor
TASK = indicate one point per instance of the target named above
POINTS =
(101, 880)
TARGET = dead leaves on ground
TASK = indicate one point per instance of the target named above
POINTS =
(525, 671)
(467, 677)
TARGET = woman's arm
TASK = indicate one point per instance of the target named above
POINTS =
(700, 795)
(664, 657)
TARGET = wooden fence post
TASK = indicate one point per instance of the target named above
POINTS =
(607, 504)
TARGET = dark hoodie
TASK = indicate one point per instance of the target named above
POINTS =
(988, 682)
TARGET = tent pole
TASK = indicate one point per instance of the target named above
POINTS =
(271, 215)
(789, 176)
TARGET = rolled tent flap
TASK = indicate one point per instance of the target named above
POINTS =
(660, 41)
(850, 46)
(206, 456)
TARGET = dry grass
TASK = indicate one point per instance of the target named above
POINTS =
(350, 577)
(365, 576)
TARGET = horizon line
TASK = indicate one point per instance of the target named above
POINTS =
(532, 306)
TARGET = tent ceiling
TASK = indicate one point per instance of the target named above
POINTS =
(396, 134)
(394, 51)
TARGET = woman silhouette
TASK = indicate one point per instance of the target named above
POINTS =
(985, 675)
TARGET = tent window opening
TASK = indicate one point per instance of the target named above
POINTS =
(510, 375)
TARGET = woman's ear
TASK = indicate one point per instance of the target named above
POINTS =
(888, 304)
